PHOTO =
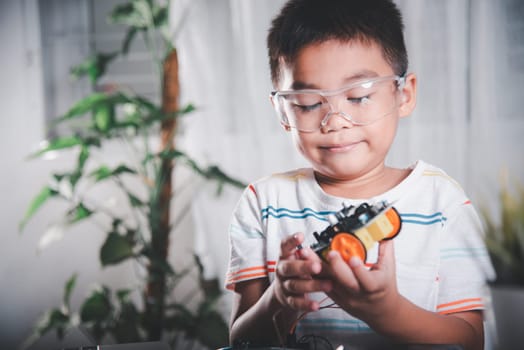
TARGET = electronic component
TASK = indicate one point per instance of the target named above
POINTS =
(354, 230)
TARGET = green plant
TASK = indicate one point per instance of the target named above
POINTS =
(144, 180)
(505, 237)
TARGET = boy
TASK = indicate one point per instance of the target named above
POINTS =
(339, 70)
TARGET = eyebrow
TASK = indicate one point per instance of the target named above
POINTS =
(364, 74)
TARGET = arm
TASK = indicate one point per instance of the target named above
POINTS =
(259, 308)
(372, 296)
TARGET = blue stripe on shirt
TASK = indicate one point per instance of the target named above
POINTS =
(239, 232)
(294, 214)
(407, 218)
(458, 253)
(421, 219)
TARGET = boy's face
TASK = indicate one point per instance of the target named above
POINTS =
(339, 149)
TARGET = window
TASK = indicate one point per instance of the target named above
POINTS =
(73, 30)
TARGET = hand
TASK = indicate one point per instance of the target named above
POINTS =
(294, 275)
(366, 294)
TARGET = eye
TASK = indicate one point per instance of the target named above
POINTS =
(305, 102)
(307, 108)
(359, 100)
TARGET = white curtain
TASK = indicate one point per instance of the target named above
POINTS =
(465, 120)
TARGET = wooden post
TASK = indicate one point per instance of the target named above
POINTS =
(160, 230)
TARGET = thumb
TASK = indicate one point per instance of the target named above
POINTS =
(386, 255)
(380, 273)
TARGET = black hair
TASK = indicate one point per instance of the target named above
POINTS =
(304, 22)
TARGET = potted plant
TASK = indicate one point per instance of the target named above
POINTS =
(144, 181)
(505, 242)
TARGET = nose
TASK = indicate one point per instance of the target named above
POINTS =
(332, 123)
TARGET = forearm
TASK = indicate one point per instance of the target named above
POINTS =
(407, 323)
(259, 323)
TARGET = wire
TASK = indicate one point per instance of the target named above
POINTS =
(319, 342)
(277, 328)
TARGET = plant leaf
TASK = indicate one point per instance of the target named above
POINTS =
(80, 212)
(58, 143)
(505, 238)
(37, 202)
(160, 16)
(115, 249)
(84, 105)
(82, 157)
(212, 330)
(125, 329)
(104, 117)
(123, 295)
(104, 172)
(135, 201)
(68, 289)
(52, 234)
(94, 67)
(53, 319)
(97, 307)
(130, 35)
(134, 14)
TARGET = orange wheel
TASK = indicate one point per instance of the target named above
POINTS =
(394, 218)
(348, 245)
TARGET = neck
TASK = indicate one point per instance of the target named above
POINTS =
(374, 183)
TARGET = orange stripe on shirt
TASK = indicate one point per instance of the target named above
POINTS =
(230, 282)
(441, 306)
(252, 188)
(249, 275)
(461, 305)
(460, 309)
(268, 268)
(247, 269)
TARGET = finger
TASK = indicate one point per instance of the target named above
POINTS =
(297, 268)
(386, 254)
(288, 246)
(341, 271)
(371, 280)
(302, 302)
(307, 253)
(301, 286)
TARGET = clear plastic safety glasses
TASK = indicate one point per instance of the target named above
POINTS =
(361, 103)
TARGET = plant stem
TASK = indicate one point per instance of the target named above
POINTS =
(156, 288)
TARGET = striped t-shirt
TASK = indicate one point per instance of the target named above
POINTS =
(441, 262)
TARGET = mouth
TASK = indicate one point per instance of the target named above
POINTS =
(340, 148)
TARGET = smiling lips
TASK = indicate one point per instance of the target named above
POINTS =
(339, 148)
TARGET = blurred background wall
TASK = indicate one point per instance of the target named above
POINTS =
(468, 54)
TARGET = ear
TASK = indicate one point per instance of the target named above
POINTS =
(408, 95)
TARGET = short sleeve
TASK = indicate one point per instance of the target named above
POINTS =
(247, 241)
(465, 264)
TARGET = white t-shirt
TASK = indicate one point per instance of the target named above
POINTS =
(441, 262)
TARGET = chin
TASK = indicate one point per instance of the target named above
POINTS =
(341, 174)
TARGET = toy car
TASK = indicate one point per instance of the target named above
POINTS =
(354, 230)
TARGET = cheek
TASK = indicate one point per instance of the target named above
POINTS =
(386, 134)
(302, 143)
(299, 144)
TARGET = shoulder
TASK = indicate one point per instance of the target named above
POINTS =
(436, 174)
(282, 181)
(429, 174)
(437, 184)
